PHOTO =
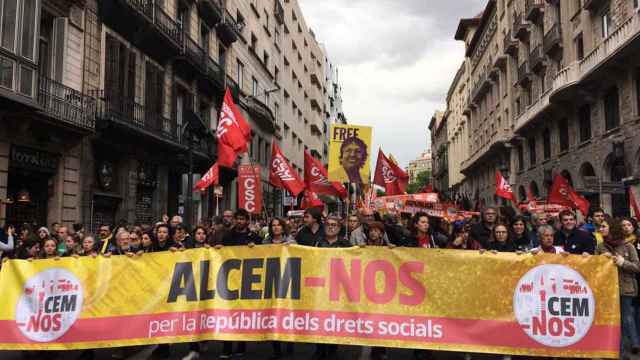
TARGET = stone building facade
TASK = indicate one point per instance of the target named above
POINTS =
(108, 105)
(420, 164)
(554, 90)
(457, 131)
(440, 151)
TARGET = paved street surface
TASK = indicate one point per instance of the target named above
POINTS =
(258, 351)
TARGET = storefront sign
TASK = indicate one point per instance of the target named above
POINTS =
(33, 159)
(532, 305)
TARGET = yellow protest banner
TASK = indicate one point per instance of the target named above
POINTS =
(539, 305)
(349, 153)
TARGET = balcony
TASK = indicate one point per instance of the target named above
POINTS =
(145, 24)
(510, 45)
(552, 40)
(66, 104)
(315, 153)
(210, 11)
(315, 129)
(591, 5)
(534, 9)
(481, 85)
(536, 59)
(520, 28)
(568, 79)
(261, 113)
(278, 12)
(129, 115)
(524, 73)
(229, 29)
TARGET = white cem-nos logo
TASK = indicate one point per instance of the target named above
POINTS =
(50, 304)
(554, 305)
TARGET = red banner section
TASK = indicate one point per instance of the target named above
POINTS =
(249, 188)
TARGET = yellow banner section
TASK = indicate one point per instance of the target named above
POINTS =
(349, 153)
(545, 305)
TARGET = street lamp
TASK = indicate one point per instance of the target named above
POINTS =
(192, 131)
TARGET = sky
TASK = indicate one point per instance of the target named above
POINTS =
(396, 60)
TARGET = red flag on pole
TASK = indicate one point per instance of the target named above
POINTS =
(233, 132)
(311, 200)
(249, 188)
(503, 189)
(390, 176)
(562, 193)
(281, 174)
(211, 177)
(316, 178)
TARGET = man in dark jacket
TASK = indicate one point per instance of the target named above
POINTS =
(312, 231)
(572, 239)
(240, 235)
(481, 232)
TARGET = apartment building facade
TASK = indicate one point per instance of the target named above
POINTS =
(108, 105)
(457, 131)
(554, 90)
(439, 151)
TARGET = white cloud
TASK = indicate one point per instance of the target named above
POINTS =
(397, 59)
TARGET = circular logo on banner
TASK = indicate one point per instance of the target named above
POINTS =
(554, 305)
(51, 302)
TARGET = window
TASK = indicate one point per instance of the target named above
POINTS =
(26, 80)
(254, 43)
(563, 129)
(579, 44)
(584, 114)
(532, 151)
(240, 73)
(254, 87)
(265, 59)
(9, 23)
(266, 18)
(276, 112)
(6, 72)
(607, 25)
(611, 110)
(520, 158)
(28, 29)
(546, 144)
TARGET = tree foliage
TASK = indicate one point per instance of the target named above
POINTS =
(423, 178)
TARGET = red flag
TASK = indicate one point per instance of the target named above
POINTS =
(634, 201)
(281, 174)
(390, 176)
(562, 193)
(316, 178)
(311, 200)
(503, 189)
(211, 177)
(249, 188)
(233, 132)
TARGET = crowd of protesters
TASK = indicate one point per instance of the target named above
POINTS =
(496, 230)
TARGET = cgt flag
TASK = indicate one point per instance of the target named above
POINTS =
(562, 193)
(503, 189)
(249, 188)
(233, 132)
(281, 174)
(211, 177)
(317, 180)
(311, 200)
(389, 175)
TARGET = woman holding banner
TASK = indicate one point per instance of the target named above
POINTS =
(278, 234)
(625, 256)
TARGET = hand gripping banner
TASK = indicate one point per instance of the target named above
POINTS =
(539, 305)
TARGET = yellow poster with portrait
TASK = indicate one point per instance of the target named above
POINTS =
(349, 153)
